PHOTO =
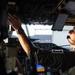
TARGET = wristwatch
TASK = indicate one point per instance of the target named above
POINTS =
(20, 31)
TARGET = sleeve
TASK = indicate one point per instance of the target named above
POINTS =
(58, 61)
(46, 58)
(63, 61)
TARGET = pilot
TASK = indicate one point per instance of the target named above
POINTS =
(71, 38)
(44, 57)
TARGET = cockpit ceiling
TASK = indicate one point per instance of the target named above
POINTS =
(38, 11)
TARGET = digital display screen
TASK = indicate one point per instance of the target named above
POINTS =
(40, 68)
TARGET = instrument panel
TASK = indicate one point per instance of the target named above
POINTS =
(45, 46)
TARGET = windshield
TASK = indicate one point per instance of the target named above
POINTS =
(45, 36)
(37, 33)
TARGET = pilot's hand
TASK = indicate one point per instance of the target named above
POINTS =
(14, 21)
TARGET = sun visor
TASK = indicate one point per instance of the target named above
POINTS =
(59, 23)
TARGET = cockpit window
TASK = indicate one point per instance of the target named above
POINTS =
(37, 33)
(43, 36)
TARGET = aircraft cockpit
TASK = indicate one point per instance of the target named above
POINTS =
(46, 24)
